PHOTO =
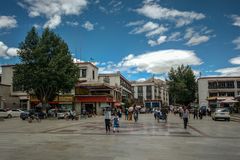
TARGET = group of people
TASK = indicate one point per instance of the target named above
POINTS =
(108, 119)
(115, 119)
(129, 115)
(160, 114)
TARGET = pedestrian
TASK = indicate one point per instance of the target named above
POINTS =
(119, 113)
(107, 115)
(135, 115)
(115, 123)
(126, 114)
(200, 113)
(195, 113)
(185, 116)
(130, 116)
(180, 112)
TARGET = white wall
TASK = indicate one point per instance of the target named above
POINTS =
(203, 92)
(90, 68)
(7, 74)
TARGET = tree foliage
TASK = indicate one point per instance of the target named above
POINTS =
(182, 85)
(46, 66)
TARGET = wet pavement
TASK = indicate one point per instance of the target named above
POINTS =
(145, 140)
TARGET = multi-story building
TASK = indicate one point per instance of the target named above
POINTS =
(119, 81)
(19, 98)
(211, 90)
(88, 72)
(92, 94)
(151, 93)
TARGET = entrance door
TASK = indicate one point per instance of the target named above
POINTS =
(90, 108)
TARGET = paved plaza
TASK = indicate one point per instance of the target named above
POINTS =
(145, 140)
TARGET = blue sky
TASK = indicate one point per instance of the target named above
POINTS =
(138, 38)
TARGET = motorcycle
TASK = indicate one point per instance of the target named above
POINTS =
(32, 117)
(71, 116)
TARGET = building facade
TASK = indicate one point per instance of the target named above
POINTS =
(18, 98)
(119, 81)
(151, 93)
(87, 72)
(212, 89)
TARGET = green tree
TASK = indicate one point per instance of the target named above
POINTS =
(182, 85)
(46, 66)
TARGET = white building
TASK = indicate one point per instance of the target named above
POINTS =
(18, 97)
(212, 89)
(88, 72)
(119, 81)
(151, 93)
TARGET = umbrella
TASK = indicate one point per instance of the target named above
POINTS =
(138, 107)
(130, 109)
(229, 100)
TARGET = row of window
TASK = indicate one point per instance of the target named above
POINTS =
(222, 84)
(125, 84)
(222, 94)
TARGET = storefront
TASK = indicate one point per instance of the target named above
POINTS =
(61, 101)
(93, 104)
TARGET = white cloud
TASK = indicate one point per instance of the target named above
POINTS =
(161, 29)
(175, 36)
(72, 23)
(135, 23)
(76, 60)
(155, 11)
(161, 61)
(236, 20)
(88, 26)
(159, 41)
(141, 79)
(53, 22)
(237, 43)
(37, 26)
(7, 52)
(196, 38)
(53, 10)
(231, 71)
(8, 22)
(149, 26)
(150, 29)
(235, 60)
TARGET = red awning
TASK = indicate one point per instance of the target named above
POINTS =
(93, 99)
(117, 104)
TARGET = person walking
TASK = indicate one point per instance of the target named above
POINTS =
(107, 115)
(185, 116)
(126, 114)
(135, 115)
(195, 113)
(115, 123)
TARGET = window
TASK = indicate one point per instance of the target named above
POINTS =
(93, 74)
(106, 80)
(230, 94)
(140, 90)
(221, 84)
(238, 84)
(230, 84)
(149, 92)
(83, 73)
(212, 94)
(212, 85)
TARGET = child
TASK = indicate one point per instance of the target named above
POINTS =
(115, 123)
